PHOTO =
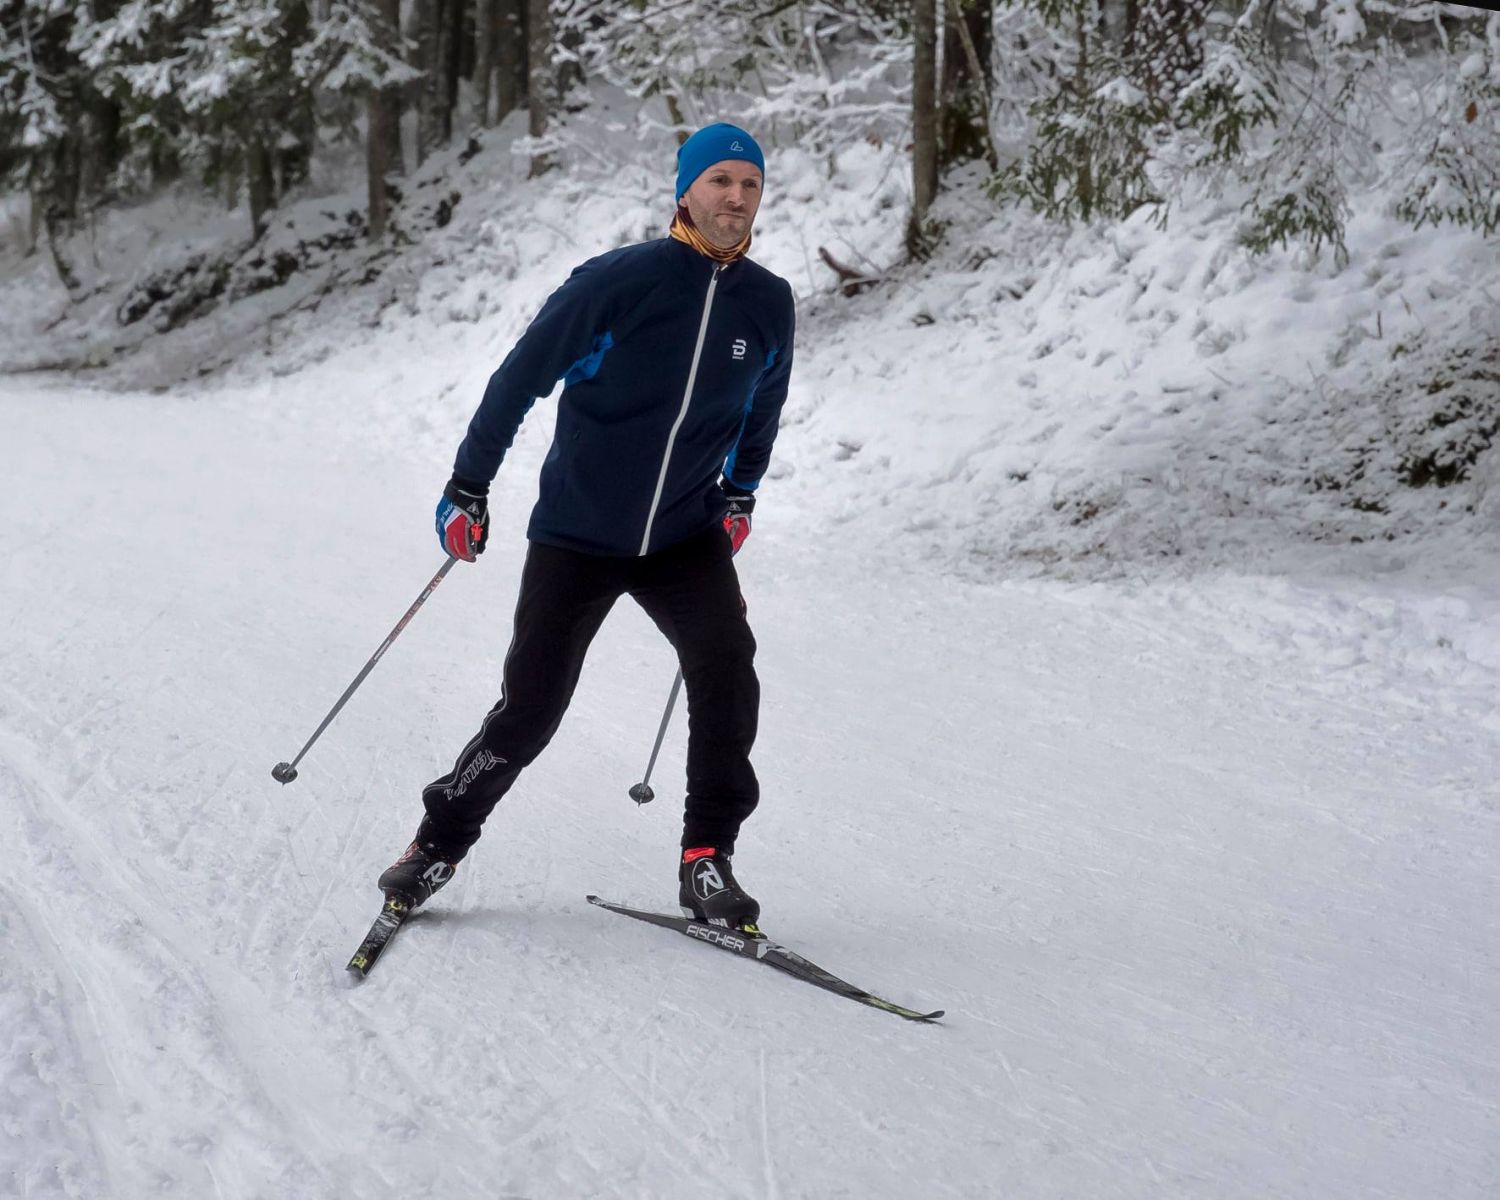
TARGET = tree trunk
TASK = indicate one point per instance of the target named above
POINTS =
(101, 149)
(58, 192)
(59, 228)
(424, 35)
(229, 174)
(293, 163)
(964, 121)
(450, 53)
(388, 37)
(38, 204)
(570, 70)
(377, 161)
(1084, 167)
(538, 56)
(510, 56)
(484, 56)
(261, 178)
(924, 155)
(674, 113)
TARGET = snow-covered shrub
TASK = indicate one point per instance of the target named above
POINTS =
(1089, 153)
(1458, 421)
(1305, 205)
(1457, 175)
(176, 293)
(1234, 94)
(1093, 127)
(1289, 108)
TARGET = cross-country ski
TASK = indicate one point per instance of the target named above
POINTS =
(755, 945)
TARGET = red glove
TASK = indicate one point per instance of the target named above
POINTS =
(737, 519)
(463, 520)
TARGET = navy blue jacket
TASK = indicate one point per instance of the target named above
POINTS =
(674, 370)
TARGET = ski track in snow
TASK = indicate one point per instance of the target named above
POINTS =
(1203, 873)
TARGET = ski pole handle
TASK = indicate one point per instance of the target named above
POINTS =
(286, 772)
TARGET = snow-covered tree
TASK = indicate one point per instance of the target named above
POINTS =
(814, 71)
(356, 50)
(1093, 129)
(1455, 176)
(1287, 104)
(217, 78)
(61, 134)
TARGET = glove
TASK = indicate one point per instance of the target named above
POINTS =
(463, 519)
(737, 519)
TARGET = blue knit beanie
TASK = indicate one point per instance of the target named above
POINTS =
(712, 144)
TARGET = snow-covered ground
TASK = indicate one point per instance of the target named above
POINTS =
(1087, 719)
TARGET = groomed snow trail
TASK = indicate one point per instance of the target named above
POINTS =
(1204, 874)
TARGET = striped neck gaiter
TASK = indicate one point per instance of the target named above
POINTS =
(685, 231)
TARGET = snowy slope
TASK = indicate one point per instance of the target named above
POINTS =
(1186, 812)
(1204, 875)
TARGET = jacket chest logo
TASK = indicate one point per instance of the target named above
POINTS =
(737, 349)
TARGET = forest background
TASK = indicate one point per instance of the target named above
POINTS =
(1082, 109)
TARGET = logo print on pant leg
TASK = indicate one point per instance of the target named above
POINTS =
(483, 761)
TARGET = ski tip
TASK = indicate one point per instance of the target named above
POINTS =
(900, 1010)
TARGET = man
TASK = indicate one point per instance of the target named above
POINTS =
(675, 356)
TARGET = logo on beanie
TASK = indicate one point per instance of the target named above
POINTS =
(736, 146)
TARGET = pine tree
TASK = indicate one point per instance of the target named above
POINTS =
(62, 134)
(216, 81)
(357, 51)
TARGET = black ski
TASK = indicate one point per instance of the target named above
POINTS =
(759, 947)
(392, 916)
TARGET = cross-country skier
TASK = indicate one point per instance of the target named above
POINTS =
(675, 356)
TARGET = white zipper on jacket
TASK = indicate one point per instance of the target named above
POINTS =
(687, 396)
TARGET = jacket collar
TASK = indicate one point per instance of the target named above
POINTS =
(694, 265)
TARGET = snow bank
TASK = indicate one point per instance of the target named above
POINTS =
(1083, 403)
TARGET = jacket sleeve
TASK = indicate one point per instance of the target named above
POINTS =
(567, 333)
(751, 455)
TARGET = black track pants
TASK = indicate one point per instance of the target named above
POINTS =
(692, 593)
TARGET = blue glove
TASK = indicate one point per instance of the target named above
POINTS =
(463, 519)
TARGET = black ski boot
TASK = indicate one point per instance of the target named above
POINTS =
(708, 892)
(420, 871)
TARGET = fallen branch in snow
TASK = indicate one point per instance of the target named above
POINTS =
(851, 281)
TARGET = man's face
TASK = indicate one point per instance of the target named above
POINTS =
(723, 201)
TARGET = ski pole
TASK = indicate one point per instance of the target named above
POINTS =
(641, 793)
(286, 772)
